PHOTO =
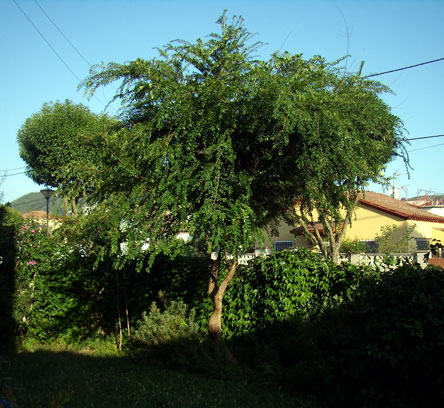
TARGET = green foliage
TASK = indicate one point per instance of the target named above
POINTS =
(380, 346)
(387, 345)
(55, 139)
(161, 327)
(225, 143)
(59, 293)
(68, 289)
(173, 337)
(352, 246)
(219, 144)
(9, 223)
(291, 284)
(390, 244)
(39, 280)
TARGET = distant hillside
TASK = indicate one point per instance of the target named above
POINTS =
(36, 202)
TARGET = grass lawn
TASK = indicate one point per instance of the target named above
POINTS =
(46, 377)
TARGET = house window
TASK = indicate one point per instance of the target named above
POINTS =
(281, 245)
(371, 245)
(422, 244)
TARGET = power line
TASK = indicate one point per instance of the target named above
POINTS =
(402, 69)
(47, 42)
(425, 137)
(62, 33)
(427, 147)
(51, 47)
(17, 168)
(15, 174)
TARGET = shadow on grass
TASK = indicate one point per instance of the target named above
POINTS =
(70, 379)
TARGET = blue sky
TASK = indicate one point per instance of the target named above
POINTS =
(385, 34)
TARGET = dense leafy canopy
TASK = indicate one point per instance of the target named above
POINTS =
(220, 144)
(54, 141)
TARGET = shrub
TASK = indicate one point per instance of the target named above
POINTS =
(59, 294)
(9, 224)
(352, 246)
(383, 346)
(389, 345)
(173, 337)
(173, 324)
(65, 291)
(290, 284)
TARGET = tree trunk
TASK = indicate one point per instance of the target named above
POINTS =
(119, 335)
(65, 205)
(74, 208)
(215, 321)
(128, 327)
(216, 294)
(335, 253)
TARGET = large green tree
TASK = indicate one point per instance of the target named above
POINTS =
(54, 141)
(349, 136)
(220, 144)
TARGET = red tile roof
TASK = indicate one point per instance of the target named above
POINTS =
(36, 215)
(397, 207)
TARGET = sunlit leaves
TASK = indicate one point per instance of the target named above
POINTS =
(57, 143)
(219, 143)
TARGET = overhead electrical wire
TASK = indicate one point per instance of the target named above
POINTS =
(89, 64)
(62, 33)
(47, 42)
(15, 174)
(427, 147)
(404, 68)
(17, 168)
(425, 137)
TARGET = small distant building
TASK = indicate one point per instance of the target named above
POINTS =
(40, 217)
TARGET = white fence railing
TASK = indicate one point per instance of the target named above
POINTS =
(377, 259)
(371, 259)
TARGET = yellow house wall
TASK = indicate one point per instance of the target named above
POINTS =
(430, 230)
(366, 225)
(284, 234)
(368, 221)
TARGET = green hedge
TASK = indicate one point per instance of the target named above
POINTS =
(62, 292)
(290, 284)
(8, 253)
(388, 342)
(364, 339)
